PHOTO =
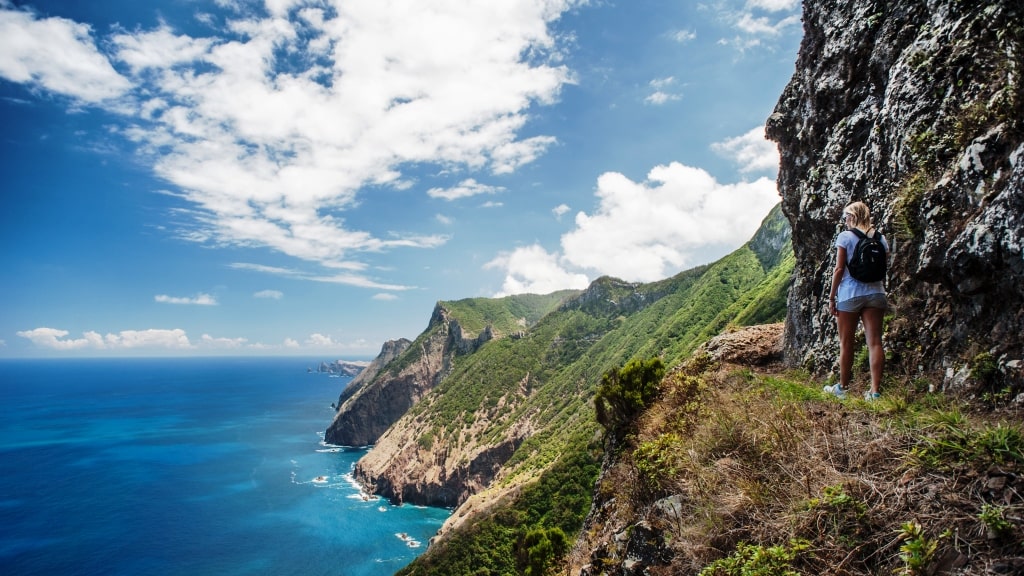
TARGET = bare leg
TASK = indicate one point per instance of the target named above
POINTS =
(872, 318)
(847, 324)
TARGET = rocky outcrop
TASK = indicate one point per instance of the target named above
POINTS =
(750, 346)
(342, 368)
(402, 373)
(915, 107)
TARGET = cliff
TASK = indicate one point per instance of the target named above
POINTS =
(404, 371)
(511, 425)
(741, 465)
(341, 367)
(916, 108)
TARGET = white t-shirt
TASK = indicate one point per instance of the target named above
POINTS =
(850, 287)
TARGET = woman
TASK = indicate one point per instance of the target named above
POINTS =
(852, 301)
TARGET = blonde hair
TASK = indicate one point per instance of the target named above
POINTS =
(861, 214)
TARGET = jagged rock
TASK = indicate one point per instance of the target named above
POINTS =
(361, 417)
(342, 367)
(917, 108)
(384, 392)
(753, 345)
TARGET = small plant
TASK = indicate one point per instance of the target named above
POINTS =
(917, 549)
(1002, 443)
(994, 519)
(624, 393)
(656, 461)
(836, 497)
(756, 560)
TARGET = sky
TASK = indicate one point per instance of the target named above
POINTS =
(309, 177)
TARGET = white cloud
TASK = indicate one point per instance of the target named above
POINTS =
(56, 54)
(684, 36)
(291, 343)
(560, 210)
(153, 338)
(320, 341)
(661, 95)
(198, 300)
(444, 220)
(773, 5)
(55, 338)
(385, 297)
(465, 189)
(755, 28)
(271, 127)
(658, 97)
(764, 26)
(223, 343)
(272, 294)
(533, 270)
(644, 231)
(752, 151)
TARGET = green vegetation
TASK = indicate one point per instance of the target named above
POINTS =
(771, 478)
(625, 392)
(917, 549)
(749, 560)
(604, 349)
(525, 535)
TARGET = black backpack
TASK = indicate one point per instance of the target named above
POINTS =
(868, 262)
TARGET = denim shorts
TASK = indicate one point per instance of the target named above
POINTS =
(858, 303)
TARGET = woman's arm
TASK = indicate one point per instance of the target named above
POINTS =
(837, 277)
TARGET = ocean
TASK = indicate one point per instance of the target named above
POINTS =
(187, 466)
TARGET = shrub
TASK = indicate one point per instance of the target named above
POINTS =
(625, 392)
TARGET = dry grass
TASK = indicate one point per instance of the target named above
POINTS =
(765, 459)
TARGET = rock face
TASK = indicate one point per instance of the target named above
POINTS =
(750, 346)
(386, 389)
(342, 367)
(915, 107)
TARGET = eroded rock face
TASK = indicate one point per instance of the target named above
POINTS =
(383, 392)
(916, 108)
(750, 346)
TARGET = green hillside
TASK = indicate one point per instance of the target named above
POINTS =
(546, 378)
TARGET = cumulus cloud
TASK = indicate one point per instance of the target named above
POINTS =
(465, 189)
(533, 270)
(661, 93)
(56, 339)
(560, 210)
(271, 294)
(644, 231)
(320, 341)
(271, 127)
(197, 300)
(752, 151)
(223, 343)
(385, 297)
(58, 55)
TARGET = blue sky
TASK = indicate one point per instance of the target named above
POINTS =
(309, 177)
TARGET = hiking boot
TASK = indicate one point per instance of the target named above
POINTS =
(870, 396)
(835, 390)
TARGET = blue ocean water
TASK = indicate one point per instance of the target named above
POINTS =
(186, 466)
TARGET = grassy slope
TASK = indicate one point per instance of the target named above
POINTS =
(771, 476)
(561, 360)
